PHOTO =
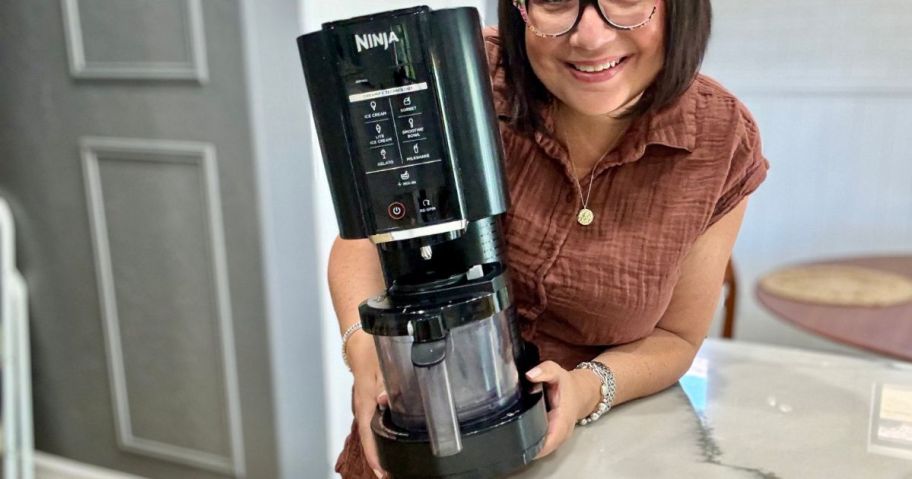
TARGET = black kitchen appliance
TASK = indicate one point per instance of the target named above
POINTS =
(403, 107)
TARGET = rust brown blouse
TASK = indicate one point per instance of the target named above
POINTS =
(674, 173)
(580, 289)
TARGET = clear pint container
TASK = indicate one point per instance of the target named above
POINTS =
(480, 367)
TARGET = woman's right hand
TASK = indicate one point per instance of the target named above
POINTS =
(354, 273)
(369, 392)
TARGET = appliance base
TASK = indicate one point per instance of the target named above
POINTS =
(490, 449)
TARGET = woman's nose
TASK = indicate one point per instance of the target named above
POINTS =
(592, 32)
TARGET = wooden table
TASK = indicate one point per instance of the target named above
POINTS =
(883, 330)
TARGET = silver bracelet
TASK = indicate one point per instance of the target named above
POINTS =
(607, 377)
(345, 337)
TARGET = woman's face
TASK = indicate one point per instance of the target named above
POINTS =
(593, 45)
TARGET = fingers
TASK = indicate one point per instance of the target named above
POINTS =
(560, 419)
(369, 392)
(382, 396)
(364, 411)
(369, 447)
(546, 372)
(549, 373)
(560, 426)
(365, 401)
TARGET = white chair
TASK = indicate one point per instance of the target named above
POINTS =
(18, 442)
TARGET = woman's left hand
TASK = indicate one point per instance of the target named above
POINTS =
(571, 395)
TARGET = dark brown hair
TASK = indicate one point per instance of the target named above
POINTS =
(687, 27)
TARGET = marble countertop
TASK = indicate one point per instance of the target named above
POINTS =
(753, 411)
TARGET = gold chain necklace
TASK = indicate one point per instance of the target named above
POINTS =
(585, 216)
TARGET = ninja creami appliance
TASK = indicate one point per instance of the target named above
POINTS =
(403, 107)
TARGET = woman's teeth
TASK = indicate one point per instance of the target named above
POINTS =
(597, 68)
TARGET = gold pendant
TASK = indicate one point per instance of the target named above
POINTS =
(585, 217)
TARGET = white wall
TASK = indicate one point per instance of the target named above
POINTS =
(279, 116)
(338, 379)
(830, 88)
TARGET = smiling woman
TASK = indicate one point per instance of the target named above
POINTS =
(580, 70)
(679, 35)
(628, 174)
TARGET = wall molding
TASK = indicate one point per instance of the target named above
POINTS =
(16, 432)
(163, 151)
(49, 466)
(195, 69)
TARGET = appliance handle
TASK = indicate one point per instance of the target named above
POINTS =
(429, 359)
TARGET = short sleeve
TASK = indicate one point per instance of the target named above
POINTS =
(748, 166)
(492, 46)
(492, 43)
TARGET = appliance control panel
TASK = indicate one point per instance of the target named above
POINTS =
(395, 129)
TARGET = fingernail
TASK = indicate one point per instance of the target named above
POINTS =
(533, 373)
(379, 473)
(383, 401)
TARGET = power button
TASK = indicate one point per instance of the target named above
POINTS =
(396, 210)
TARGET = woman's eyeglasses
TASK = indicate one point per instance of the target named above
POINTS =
(552, 18)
